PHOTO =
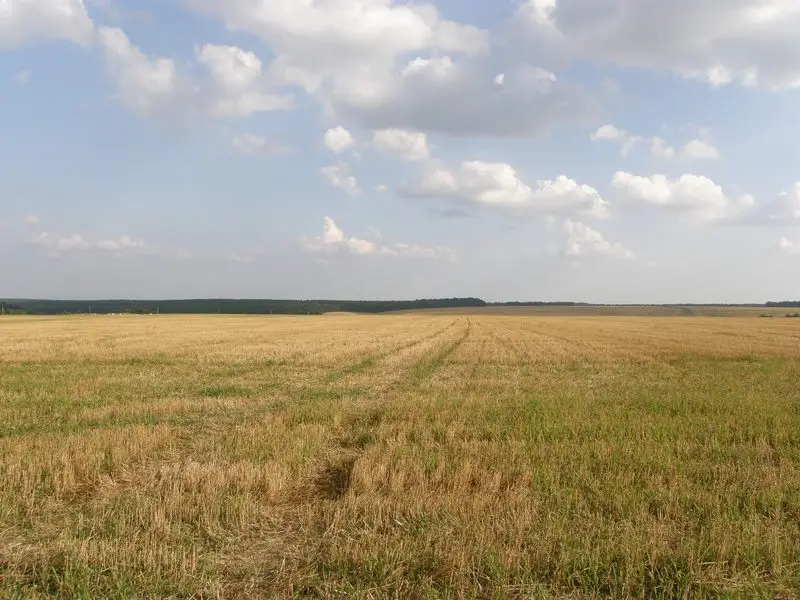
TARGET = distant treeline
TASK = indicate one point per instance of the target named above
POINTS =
(235, 307)
(7, 308)
(296, 307)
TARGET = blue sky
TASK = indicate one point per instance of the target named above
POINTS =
(588, 150)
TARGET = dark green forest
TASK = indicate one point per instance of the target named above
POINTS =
(285, 307)
(7, 308)
(232, 307)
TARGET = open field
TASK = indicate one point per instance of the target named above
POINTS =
(630, 310)
(411, 456)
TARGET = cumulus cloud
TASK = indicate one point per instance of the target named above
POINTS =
(150, 86)
(498, 186)
(333, 241)
(337, 38)
(339, 176)
(390, 64)
(384, 64)
(408, 145)
(24, 21)
(701, 200)
(750, 42)
(381, 188)
(660, 149)
(460, 97)
(698, 149)
(154, 86)
(238, 83)
(255, 145)
(338, 140)
(609, 133)
(585, 242)
(696, 197)
(231, 67)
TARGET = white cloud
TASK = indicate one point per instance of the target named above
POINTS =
(460, 97)
(146, 85)
(610, 133)
(751, 42)
(585, 242)
(498, 186)
(538, 11)
(24, 21)
(788, 246)
(338, 140)
(156, 87)
(418, 251)
(333, 240)
(784, 210)
(255, 145)
(459, 38)
(382, 188)
(627, 142)
(61, 243)
(338, 38)
(391, 64)
(231, 67)
(660, 149)
(787, 206)
(339, 176)
(408, 145)
(238, 82)
(697, 197)
(699, 149)
(23, 77)
(701, 200)
(55, 245)
(123, 243)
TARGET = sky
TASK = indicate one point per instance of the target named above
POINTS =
(615, 151)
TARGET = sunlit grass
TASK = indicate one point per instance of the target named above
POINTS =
(399, 456)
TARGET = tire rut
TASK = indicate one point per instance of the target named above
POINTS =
(372, 360)
(424, 370)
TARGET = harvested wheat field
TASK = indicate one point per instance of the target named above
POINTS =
(410, 456)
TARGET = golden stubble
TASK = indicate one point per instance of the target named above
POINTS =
(419, 455)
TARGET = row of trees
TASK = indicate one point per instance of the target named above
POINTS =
(286, 307)
(7, 308)
(251, 307)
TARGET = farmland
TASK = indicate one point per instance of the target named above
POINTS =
(423, 455)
